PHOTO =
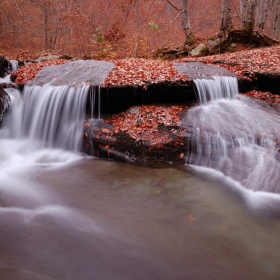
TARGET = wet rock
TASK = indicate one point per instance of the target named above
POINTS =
(142, 134)
(4, 103)
(268, 81)
(3, 66)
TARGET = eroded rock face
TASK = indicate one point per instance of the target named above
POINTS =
(4, 103)
(142, 134)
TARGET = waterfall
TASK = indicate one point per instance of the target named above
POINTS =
(13, 65)
(235, 136)
(50, 115)
(216, 87)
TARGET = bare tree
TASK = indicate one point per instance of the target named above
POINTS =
(226, 16)
(248, 12)
(263, 7)
(275, 19)
(185, 19)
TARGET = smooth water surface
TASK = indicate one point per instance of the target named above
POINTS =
(64, 217)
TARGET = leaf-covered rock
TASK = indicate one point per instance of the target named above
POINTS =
(141, 134)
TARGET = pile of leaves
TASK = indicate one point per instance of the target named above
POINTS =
(148, 123)
(142, 72)
(30, 70)
(272, 99)
(245, 63)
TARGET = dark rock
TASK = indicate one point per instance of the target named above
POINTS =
(3, 66)
(268, 81)
(167, 144)
(4, 103)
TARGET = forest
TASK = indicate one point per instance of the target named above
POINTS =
(106, 29)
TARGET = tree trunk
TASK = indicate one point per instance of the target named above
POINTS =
(226, 16)
(185, 20)
(275, 21)
(248, 14)
(263, 13)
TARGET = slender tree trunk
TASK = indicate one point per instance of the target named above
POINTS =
(248, 14)
(276, 19)
(263, 7)
(46, 23)
(185, 19)
(226, 16)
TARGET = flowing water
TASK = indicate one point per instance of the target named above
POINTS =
(65, 215)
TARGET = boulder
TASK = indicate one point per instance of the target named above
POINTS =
(199, 50)
(142, 134)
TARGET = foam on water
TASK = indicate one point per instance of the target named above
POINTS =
(238, 139)
(42, 130)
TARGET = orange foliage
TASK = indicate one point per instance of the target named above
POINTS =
(142, 71)
(143, 123)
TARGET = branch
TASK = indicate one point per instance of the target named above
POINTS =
(176, 17)
(15, 24)
(173, 5)
(18, 8)
(208, 22)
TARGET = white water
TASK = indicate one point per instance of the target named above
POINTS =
(39, 128)
(216, 87)
(13, 65)
(52, 116)
(236, 137)
(6, 79)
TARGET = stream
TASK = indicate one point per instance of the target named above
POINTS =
(65, 215)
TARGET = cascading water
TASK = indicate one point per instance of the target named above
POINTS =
(235, 137)
(107, 220)
(39, 127)
(54, 115)
(216, 87)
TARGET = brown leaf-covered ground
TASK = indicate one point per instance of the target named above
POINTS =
(272, 99)
(139, 71)
(244, 63)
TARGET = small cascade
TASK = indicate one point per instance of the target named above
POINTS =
(50, 115)
(235, 137)
(13, 65)
(216, 87)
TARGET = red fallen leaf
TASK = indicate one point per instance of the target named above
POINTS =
(106, 130)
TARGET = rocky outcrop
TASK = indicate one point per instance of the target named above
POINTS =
(145, 134)
(4, 103)
(3, 66)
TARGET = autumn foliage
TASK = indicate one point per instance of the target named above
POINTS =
(144, 123)
(142, 71)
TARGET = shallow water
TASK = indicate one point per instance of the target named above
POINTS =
(64, 215)
(69, 217)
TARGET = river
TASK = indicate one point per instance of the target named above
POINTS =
(65, 215)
